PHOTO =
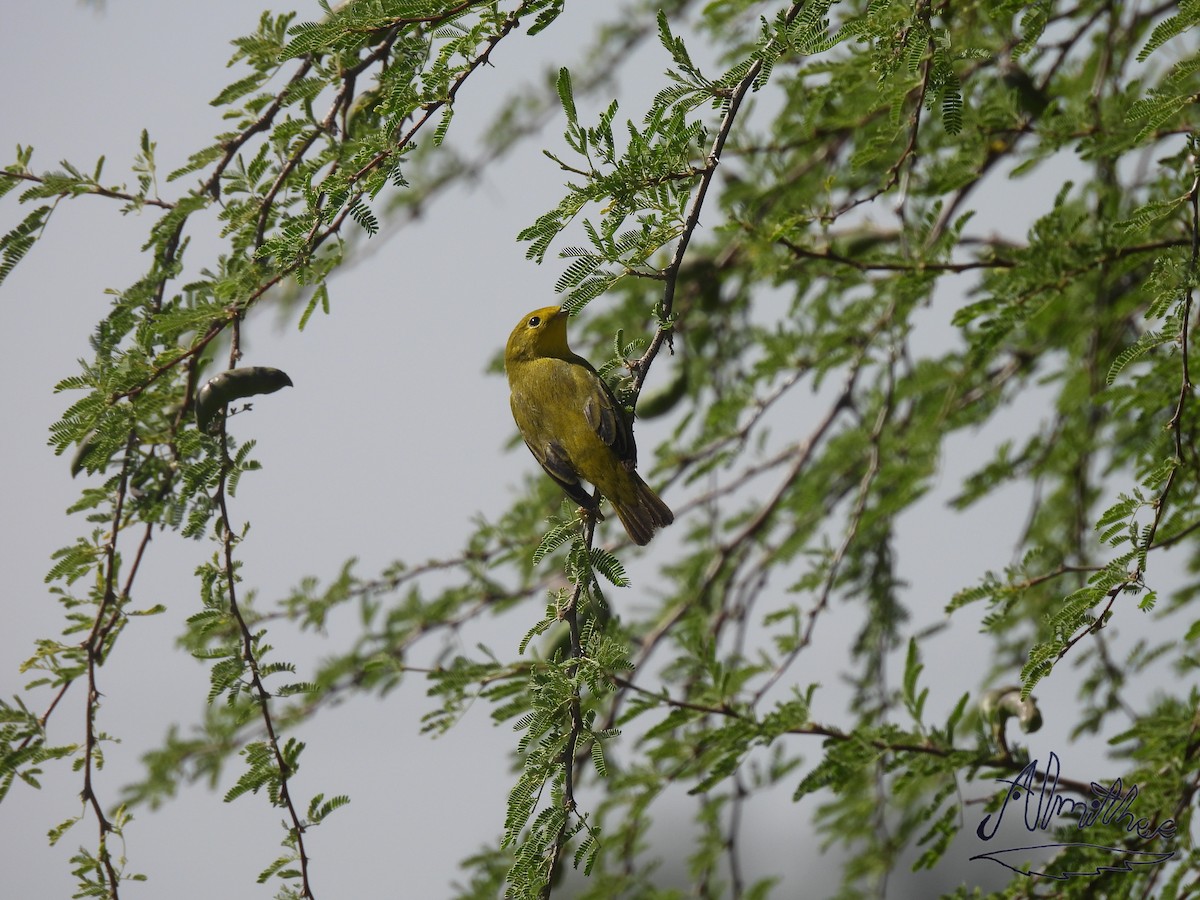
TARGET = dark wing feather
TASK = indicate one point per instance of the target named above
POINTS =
(553, 459)
(607, 418)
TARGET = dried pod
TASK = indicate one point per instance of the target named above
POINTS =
(236, 384)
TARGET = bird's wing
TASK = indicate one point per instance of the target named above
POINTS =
(606, 417)
(553, 459)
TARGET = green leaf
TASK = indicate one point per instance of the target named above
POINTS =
(16, 243)
(609, 566)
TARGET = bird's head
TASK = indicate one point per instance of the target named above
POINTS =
(540, 334)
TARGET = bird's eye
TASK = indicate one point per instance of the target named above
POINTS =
(534, 321)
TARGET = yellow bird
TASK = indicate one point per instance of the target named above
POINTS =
(573, 424)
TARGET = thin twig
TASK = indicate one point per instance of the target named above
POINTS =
(692, 219)
(94, 647)
(574, 713)
(974, 760)
(92, 190)
(261, 696)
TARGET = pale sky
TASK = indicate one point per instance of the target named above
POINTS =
(413, 327)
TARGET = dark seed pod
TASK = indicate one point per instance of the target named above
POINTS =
(236, 384)
(86, 446)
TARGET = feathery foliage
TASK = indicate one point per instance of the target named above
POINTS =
(875, 292)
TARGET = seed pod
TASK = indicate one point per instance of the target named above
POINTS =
(1001, 703)
(236, 384)
(86, 446)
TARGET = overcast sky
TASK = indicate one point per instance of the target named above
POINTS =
(412, 329)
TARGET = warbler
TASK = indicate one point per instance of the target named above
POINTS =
(574, 426)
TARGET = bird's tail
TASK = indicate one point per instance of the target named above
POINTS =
(645, 514)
